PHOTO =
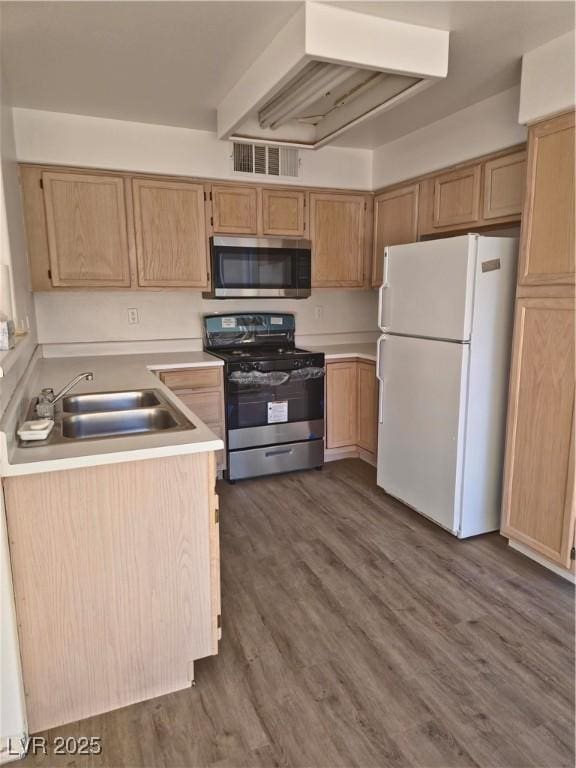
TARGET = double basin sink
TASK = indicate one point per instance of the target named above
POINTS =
(100, 415)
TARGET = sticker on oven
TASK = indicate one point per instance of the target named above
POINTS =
(277, 411)
(276, 320)
(228, 322)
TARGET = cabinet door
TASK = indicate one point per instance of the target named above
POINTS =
(171, 245)
(504, 185)
(121, 617)
(87, 230)
(395, 223)
(208, 406)
(547, 242)
(283, 212)
(457, 196)
(235, 210)
(367, 407)
(338, 233)
(341, 404)
(539, 476)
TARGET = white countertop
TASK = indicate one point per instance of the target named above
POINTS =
(113, 372)
(341, 351)
(124, 372)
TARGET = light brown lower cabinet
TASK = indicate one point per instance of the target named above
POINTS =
(352, 406)
(341, 404)
(116, 582)
(367, 407)
(202, 390)
(538, 501)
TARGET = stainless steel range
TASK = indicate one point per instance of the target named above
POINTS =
(274, 394)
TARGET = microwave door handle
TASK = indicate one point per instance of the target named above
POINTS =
(218, 260)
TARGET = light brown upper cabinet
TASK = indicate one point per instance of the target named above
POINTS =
(283, 212)
(341, 404)
(395, 222)
(234, 210)
(171, 241)
(367, 407)
(457, 196)
(547, 242)
(538, 503)
(504, 184)
(87, 229)
(338, 226)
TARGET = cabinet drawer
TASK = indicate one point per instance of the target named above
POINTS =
(192, 378)
(206, 405)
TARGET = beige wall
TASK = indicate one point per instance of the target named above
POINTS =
(52, 137)
(93, 316)
(548, 79)
(12, 240)
(484, 127)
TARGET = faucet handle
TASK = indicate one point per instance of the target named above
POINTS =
(47, 394)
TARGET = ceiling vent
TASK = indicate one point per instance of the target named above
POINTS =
(265, 160)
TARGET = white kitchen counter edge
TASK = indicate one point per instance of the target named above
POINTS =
(180, 366)
(347, 355)
(332, 352)
(99, 459)
(210, 443)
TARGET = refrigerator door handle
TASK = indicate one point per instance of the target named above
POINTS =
(379, 377)
(385, 285)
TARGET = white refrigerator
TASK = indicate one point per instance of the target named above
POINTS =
(446, 314)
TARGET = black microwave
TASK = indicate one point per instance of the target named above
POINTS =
(252, 267)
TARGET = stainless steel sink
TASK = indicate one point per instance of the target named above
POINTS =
(110, 423)
(110, 401)
(106, 415)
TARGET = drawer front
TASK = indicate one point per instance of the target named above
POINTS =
(193, 378)
(280, 458)
(206, 405)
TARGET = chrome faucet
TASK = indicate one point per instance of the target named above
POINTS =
(47, 399)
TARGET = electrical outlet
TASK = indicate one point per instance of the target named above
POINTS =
(133, 317)
(318, 312)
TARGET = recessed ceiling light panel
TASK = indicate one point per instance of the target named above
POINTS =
(329, 69)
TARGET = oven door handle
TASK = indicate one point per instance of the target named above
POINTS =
(272, 378)
(278, 452)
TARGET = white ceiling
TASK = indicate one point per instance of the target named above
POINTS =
(172, 62)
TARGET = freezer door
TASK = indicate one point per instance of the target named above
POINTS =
(422, 421)
(428, 288)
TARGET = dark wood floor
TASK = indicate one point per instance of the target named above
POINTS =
(358, 634)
